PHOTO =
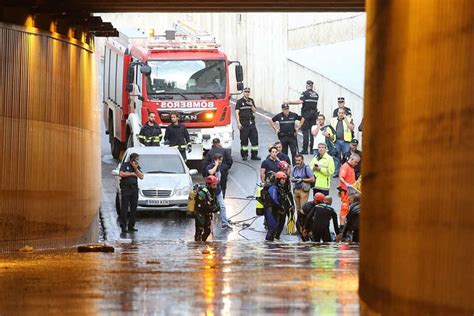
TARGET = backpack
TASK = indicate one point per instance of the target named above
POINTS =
(306, 187)
(331, 148)
(192, 197)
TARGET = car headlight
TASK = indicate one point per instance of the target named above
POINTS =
(184, 191)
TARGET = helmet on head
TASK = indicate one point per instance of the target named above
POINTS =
(211, 179)
(319, 197)
(280, 175)
(282, 165)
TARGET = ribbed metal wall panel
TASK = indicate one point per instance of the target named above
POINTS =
(49, 141)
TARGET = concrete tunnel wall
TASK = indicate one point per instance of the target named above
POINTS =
(49, 140)
(417, 208)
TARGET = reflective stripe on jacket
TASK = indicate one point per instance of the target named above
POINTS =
(347, 130)
(323, 176)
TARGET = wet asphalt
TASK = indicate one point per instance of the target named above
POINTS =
(160, 270)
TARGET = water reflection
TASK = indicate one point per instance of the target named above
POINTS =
(188, 278)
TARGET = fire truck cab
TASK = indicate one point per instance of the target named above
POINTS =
(189, 76)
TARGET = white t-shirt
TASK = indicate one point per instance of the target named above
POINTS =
(319, 138)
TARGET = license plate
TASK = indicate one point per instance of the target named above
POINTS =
(157, 202)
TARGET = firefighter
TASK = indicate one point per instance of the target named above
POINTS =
(287, 129)
(205, 206)
(303, 221)
(352, 225)
(129, 173)
(288, 204)
(309, 110)
(318, 221)
(276, 214)
(176, 135)
(150, 134)
(244, 115)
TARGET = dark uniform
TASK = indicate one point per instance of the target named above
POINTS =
(177, 136)
(150, 135)
(318, 221)
(284, 157)
(352, 224)
(227, 162)
(309, 111)
(270, 166)
(287, 134)
(302, 216)
(275, 216)
(129, 193)
(205, 206)
(249, 130)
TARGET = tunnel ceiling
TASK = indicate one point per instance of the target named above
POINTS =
(91, 6)
(77, 15)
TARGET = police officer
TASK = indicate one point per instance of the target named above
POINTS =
(244, 115)
(341, 104)
(287, 129)
(226, 162)
(150, 134)
(129, 173)
(176, 135)
(309, 111)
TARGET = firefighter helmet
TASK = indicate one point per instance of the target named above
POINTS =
(211, 180)
(280, 175)
(282, 165)
(319, 197)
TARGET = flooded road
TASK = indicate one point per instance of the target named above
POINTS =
(160, 270)
(185, 278)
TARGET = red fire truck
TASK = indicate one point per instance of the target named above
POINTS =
(176, 72)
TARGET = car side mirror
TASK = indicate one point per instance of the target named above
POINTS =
(193, 172)
(240, 86)
(130, 75)
(115, 172)
(239, 73)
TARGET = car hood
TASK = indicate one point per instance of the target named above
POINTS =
(163, 181)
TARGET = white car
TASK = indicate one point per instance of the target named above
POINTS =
(166, 182)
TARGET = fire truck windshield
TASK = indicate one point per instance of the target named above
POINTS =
(186, 79)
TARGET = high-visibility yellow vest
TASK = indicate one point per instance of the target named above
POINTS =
(347, 130)
(258, 205)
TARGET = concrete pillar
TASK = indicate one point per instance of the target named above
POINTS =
(418, 218)
(49, 139)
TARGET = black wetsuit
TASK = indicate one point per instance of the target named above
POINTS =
(321, 216)
(352, 224)
(206, 205)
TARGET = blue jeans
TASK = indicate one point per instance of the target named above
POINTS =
(222, 212)
(342, 147)
(272, 224)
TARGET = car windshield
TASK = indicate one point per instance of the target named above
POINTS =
(161, 164)
(186, 79)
